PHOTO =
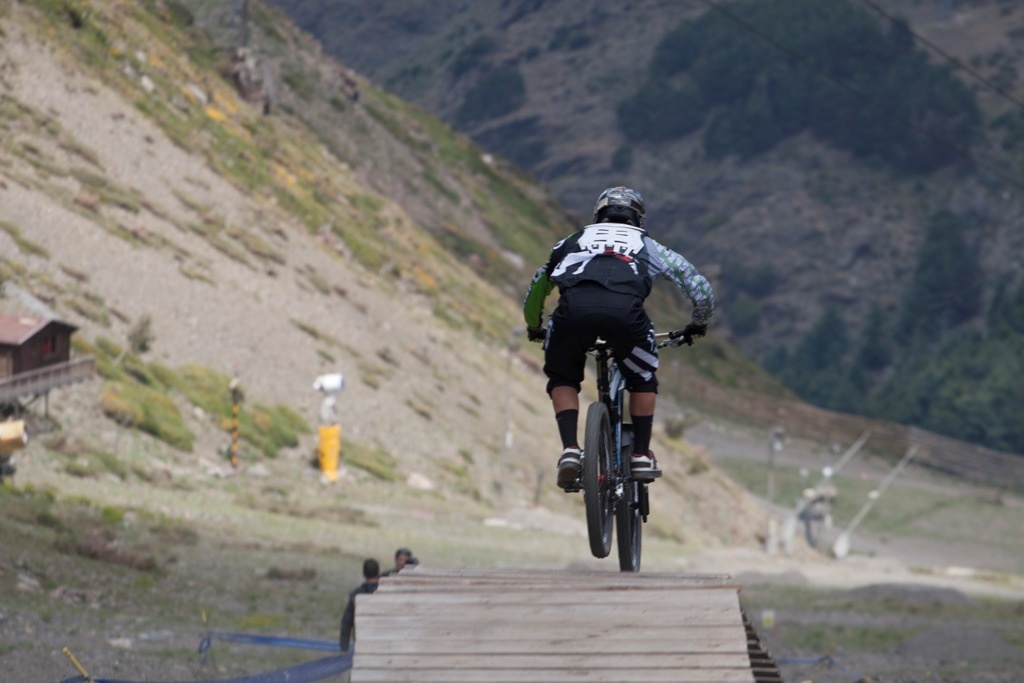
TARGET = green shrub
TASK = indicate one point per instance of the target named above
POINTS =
(26, 246)
(206, 388)
(520, 141)
(147, 409)
(570, 38)
(659, 112)
(270, 429)
(473, 55)
(498, 93)
(303, 80)
(374, 460)
(855, 86)
(744, 315)
(165, 376)
(112, 514)
(117, 407)
(946, 287)
(816, 369)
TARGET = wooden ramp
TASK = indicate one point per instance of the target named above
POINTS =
(432, 625)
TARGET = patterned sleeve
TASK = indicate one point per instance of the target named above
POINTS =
(685, 276)
(540, 288)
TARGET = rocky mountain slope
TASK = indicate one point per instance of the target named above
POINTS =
(828, 225)
(786, 234)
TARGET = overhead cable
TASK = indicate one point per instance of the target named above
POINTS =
(955, 61)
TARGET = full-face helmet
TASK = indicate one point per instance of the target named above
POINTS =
(620, 204)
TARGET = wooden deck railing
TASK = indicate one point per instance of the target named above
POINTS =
(37, 382)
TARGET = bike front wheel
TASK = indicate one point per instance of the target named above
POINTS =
(598, 480)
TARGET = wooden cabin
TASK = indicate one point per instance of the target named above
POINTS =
(32, 342)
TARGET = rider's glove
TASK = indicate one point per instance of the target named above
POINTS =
(689, 333)
(694, 330)
(536, 334)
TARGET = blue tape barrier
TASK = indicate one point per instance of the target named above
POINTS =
(276, 641)
(826, 660)
(310, 672)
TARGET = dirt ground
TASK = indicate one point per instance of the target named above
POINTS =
(132, 595)
(902, 607)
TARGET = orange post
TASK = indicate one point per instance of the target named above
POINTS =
(330, 451)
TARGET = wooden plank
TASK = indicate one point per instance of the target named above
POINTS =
(523, 579)
(525, 623)
(515, 611)
(592, 661)
(441, 600)
(456, 645)
(407, 643)
(379, 604)
(438, 570)
(552, 588)
(438, 576)
(550, 676)
(675, 660)
(547, 595)
(520, 574)
(607, 635)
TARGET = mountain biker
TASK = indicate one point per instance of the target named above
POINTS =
(604, 273)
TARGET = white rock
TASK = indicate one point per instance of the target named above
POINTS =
(420, 482)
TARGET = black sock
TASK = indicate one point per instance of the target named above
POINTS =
(642, 426)
(567, 421)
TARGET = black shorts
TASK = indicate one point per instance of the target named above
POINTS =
(586, 312)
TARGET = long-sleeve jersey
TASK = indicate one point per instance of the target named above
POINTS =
(621, 258)
(348, 619)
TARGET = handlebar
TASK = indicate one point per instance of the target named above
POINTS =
(673, 338)
(663, 339)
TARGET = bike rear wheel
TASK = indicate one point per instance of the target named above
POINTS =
(598, 479)
(629, 528)
(629, 515)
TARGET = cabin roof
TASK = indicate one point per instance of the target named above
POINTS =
(15, 330)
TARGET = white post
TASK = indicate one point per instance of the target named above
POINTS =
(841, 547)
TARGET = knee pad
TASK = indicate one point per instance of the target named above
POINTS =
(650, 386)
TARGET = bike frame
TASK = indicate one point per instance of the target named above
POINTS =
(611, 495)
(611, 389)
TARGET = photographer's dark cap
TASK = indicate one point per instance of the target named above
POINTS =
(403, 551)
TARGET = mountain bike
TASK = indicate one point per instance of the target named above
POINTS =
(608, 486)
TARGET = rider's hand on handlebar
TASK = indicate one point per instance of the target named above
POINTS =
(536, 334)
(693, 330)
(687, 335)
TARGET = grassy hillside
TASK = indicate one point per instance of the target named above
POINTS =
(195, 237)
